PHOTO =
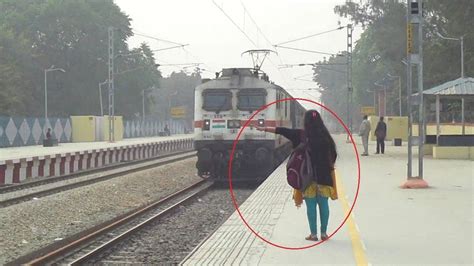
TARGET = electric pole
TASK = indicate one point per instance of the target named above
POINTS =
(111, 85)
(349, 77)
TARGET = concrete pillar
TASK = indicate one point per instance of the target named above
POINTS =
(75, 163)
(57, 165)
(107, 153)
(67, 164)
(85, 160)
(9, 172)
(47, 166)
(92, 159)
(35, 167)
(23, 166)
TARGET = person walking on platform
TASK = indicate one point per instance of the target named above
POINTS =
(364, 132)
(380, 134)
(323, 157)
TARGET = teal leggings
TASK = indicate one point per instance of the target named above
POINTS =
(323, 212)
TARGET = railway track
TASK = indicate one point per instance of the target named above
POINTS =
(33, 189)
(81, 248)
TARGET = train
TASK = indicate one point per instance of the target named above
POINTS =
(223, 105)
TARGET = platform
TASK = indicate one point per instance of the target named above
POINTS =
(13, 153)
(20, 163)
(389, 225)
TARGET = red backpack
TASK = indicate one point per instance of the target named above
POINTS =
(299, 169)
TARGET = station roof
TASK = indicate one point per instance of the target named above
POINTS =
(457, 87)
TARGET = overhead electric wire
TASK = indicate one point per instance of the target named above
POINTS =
(255, 23)
(177, 45)
(284, 76)
(312, 35)
(157, 39)
(198, 59)
(246, 35)
(233, 22)
(304, 50)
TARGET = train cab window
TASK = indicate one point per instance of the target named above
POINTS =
(217, 100)
(251, 99)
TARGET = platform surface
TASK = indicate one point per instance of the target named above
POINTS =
(12, 153)
(389, 225)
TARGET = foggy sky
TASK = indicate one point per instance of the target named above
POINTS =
(216, 42)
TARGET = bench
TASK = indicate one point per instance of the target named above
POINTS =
(50, 142)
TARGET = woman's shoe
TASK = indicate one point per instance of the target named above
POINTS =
(324, 236)
(312, 238)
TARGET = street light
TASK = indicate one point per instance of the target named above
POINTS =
(399, 92)
(375, 101)
(384, 98)
(46, 89)
(461, 39)
(143, 101)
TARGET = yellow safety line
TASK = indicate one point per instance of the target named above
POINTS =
(359, 253)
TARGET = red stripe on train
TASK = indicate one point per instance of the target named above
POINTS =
(198, 124)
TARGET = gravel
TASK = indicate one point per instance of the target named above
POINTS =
(169, 240)
(34, 224)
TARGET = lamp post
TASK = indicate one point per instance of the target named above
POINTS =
(461, 39)
(399, 92)
(143, 100)
(170, 97)
(46, 89)
(100, 97)
(375, 100)
(384, 87)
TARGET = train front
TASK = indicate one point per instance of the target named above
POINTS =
(222, 106)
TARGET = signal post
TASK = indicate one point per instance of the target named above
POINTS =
(415, 58)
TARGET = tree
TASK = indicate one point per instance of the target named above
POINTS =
(73, 35)
(330, 75)
(15, 89)
(382, 45)
(136, 72)
(176, 90)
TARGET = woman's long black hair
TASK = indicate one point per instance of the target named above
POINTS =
(319, 138)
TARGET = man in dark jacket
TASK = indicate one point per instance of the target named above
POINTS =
(380, 134)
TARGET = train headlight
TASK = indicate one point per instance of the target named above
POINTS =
(261, 122)
(207, 125)
(233, 123)
(204, 154)
(261, 154)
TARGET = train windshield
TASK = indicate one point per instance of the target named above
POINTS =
(217, 100)
(251, 99)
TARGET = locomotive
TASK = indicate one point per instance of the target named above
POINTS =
(223, 105)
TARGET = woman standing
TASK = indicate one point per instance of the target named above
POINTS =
(323, 157)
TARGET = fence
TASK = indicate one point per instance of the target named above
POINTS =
(23, 131)
(149, 128)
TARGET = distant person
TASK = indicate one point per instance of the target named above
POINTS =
(48, 134)
(167, 130)
(323, 157)
(364, 133)
(380, 134)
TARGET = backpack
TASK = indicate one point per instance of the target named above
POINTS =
(299, 170)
